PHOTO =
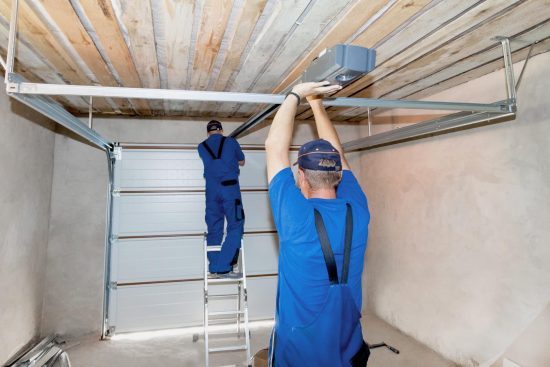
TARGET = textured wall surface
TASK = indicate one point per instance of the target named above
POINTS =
(74, 292)
(459, 254)
(26, 166)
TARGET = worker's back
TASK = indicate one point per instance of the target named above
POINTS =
(304, 288)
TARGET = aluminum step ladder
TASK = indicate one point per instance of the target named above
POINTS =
(239, 316)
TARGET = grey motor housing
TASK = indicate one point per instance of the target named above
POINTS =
(341, 64)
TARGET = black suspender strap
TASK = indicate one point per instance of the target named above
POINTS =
(325, 246)
(220, 148)
(347, 243)
(327, 250)
(208, 150)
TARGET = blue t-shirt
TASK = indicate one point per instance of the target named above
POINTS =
(227, 167)
(303, 278)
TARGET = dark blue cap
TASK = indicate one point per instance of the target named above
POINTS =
(319, 155)
(214, 125)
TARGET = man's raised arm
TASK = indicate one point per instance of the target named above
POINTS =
(279, 138)
(325, 128)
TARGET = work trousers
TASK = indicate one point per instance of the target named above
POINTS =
(223, 201)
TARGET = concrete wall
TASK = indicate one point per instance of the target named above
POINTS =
(459, 254)
(74, 296)
(26, 166)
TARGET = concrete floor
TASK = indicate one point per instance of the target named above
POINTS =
(179, 350)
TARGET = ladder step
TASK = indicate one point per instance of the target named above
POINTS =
(226, 278)
(213, 248)
(224, 313)
(227, 349)
(222, 321)
(218, 296)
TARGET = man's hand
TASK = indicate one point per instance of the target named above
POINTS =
(315, 89)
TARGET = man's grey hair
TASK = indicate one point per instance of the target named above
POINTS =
(322, 179)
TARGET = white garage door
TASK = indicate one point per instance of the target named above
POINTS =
(156, 257)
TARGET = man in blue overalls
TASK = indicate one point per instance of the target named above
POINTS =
(322, 222)
(221, 157)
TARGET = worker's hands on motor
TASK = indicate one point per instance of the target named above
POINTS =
(315, 89)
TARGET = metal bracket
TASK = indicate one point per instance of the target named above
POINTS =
(113, 285)
(113, 239)
(116, 153)
(110, 331)
(116, 193)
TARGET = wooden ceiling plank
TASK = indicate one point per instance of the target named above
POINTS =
(248, 18)
(36, 68)
(407, 35)
(214, 20)
(44, 42)
(137, 24)
(491, 56)
(540, 47)
(214, 28)
(106, 27)
(360, 14)
(70, 27)
(312, 27)
(431, 34)
(278, 28)
(477, 72)
(173, 26)
(525, 16)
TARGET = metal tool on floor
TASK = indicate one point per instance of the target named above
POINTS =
(383, 344)
(239, 316)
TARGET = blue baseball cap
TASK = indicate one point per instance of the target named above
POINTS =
(319, 155)
(214, 125)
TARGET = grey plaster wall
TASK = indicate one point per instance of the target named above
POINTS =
(26, 166)
(459, 251)
(74, 292)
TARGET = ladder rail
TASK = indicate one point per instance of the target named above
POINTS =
(242, 304)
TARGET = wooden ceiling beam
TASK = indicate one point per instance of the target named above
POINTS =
(248, 18)
(479, 38)
(428, 33)
(68, 23)
(106, 27)
(490, 56)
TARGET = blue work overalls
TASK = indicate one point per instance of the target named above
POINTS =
(334, 338)
(223, 200)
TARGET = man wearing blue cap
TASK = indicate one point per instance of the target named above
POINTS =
(322, 222)
(221, 157)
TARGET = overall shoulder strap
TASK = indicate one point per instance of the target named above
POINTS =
(347, 243)
(208, 149)
(325, 246)
(220, 148)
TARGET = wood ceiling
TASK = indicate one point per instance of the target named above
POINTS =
(263, 45)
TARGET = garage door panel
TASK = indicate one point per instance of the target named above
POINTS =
(144, 260)
(162, 306)
(158, 259)
(157, 243)
(183, 213)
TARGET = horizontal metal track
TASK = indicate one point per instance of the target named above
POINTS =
(175, 191)
(127, 284)
(54, 111)
(157, 146)
(209, 96)
(172, 235)
(416, 130)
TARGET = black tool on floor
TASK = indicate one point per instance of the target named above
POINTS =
(383, 344)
